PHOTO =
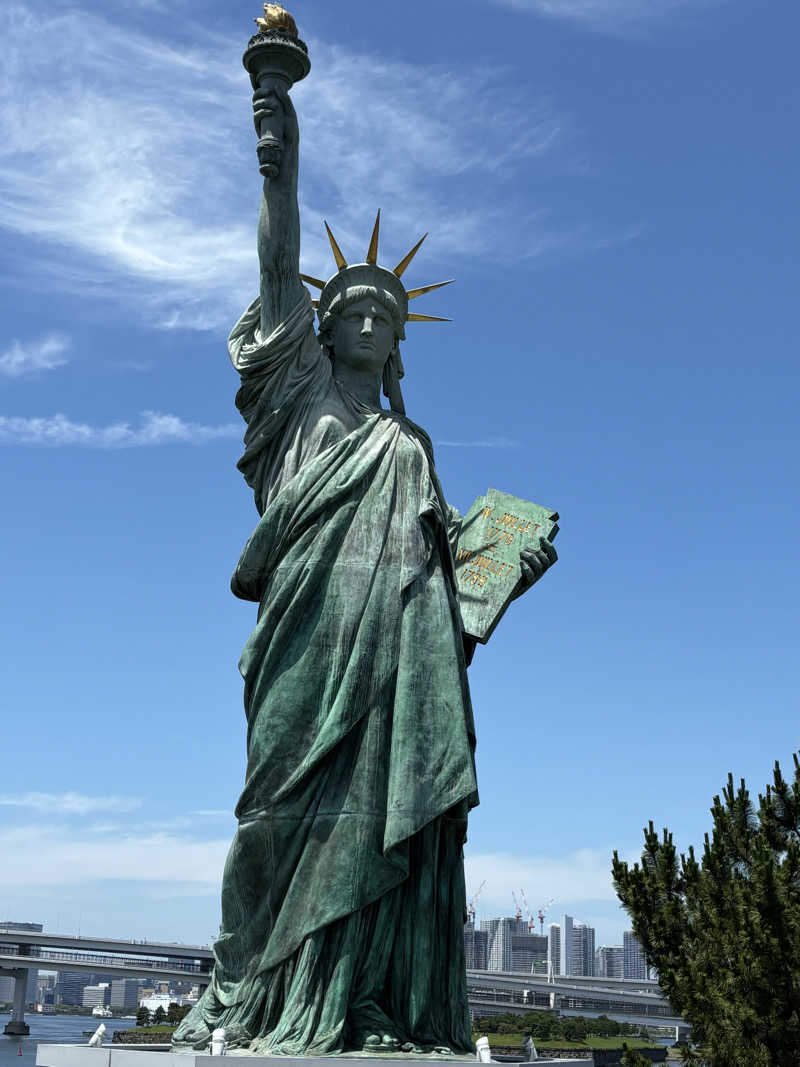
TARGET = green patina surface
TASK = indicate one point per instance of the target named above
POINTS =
(494, 531)
(343, 896)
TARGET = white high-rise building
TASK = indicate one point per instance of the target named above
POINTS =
(97, 996)
(634, 964)
(576, 948)
(554, 949)
(499, 942)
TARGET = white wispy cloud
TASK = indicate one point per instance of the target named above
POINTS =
(49, 855)
(611, 16)
(148, 181)
(54, 804)
(579, 878)
(28, 358)
(52, 855)
(154, 429)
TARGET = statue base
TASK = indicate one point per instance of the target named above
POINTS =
(119, 1056)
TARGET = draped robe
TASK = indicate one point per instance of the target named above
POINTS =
(343, 898)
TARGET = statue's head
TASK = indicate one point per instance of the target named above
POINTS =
(362, 313)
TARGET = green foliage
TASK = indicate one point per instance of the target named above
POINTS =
(142, 1016)
(547, 1028)
(724, 932)
(574, 1029)
(631, 1058)
(689, 1055)
(159, 1016)
(176, 1012)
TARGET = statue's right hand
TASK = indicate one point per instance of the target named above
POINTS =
(273, 99)
(276, 125)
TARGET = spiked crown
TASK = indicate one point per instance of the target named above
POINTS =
(370, 273)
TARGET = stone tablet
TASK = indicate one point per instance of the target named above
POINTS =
(493, 532)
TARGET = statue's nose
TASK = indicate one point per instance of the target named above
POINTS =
(367, 327)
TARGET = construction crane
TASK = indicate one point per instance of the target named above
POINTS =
(542, 912)
(528, 912)
(471, 905)
(517, 908)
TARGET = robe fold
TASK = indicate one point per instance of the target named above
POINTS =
(343, 893)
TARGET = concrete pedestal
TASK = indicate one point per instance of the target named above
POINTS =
(111, 1056)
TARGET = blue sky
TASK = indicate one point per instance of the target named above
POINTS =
(613, 184)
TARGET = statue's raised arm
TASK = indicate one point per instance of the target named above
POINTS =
(275, 59)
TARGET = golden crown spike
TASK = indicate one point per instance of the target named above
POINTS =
(370, 272)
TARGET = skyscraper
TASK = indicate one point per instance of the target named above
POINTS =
(576, 948)
(70, 987)
(634, 964)
(554, 949)
(528, 953)
(500, 946)
(124, 993)
(608, 961)
(474, 946)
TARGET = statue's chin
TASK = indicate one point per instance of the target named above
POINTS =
(364, 361)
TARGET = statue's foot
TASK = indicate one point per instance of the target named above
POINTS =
(409, 1046)
(381, 1043)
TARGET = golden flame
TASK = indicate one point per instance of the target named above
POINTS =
(276, 18)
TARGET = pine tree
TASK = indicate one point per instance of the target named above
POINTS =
(142, 1016)
(724, 933)
(631, 1058)
(159, 1016)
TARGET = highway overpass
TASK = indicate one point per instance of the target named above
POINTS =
(22, 950)
(623, 999)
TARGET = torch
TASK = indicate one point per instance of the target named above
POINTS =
(275, 52)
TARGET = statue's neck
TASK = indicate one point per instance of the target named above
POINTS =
(366, 388)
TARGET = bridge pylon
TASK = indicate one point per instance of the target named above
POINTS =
(16, 1026)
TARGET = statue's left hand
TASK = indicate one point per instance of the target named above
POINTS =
(533, 562)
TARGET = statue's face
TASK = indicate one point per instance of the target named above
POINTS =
(363, 336)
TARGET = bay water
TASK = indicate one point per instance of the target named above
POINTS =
(52, 1029)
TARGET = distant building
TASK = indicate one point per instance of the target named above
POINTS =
(70, 987)
(528, 953)
(163, 1000)
(124, 993)
(97, 996)
(500, 944)
(46, 997)
(608, 961)
(576, 948)
(475, 946)
(554, 949)
(583, 950)
(634, 963)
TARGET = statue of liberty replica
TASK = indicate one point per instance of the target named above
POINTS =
(343, 897)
